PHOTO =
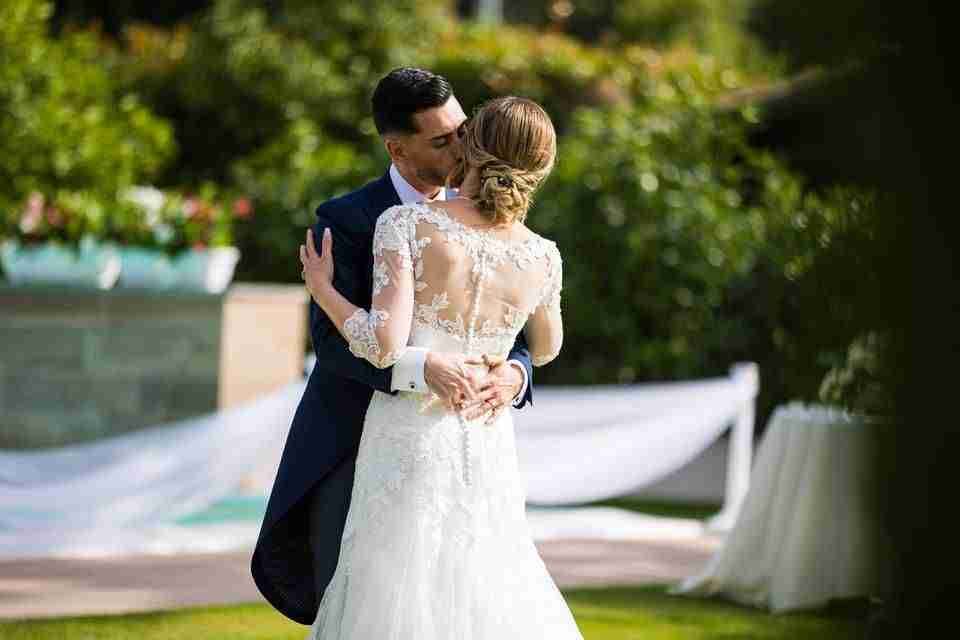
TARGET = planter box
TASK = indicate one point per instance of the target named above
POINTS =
(94, 265)
(209, 270)
(102, 265)
(204, 270)
(146, 269)
(81, 364)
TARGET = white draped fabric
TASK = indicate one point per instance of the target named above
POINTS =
(808, 531)
(123, 494)
(119, 494)
(582, 444)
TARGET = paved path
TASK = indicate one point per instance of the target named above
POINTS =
(57, 587)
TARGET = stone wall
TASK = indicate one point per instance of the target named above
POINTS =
(77, 365)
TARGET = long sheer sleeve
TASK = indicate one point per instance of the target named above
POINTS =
(544, 328)
(381, 335)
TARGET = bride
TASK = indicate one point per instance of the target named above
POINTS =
(436, 544)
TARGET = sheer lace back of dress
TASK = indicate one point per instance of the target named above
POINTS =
(432, 272)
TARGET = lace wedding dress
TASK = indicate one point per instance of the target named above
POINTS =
(436, 544)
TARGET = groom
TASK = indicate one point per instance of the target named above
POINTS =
(420, 122)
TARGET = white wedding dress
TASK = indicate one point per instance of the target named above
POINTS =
(436, 544)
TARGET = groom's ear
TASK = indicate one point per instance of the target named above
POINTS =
(395, 148)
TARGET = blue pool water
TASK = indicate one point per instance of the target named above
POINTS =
(236, 508)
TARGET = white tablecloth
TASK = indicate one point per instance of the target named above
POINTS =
(807, 531)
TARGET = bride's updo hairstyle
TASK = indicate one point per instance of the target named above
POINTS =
(512, 143)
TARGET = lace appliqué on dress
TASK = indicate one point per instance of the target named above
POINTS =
(550, 294)
(550, 299)
(381, 277)
(437, 513)
(486, 253)
(360, 329)
(429, 315)
(400, 278)
(394, 232)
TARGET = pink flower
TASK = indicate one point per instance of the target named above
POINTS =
(33, 215)
(35, 202)
(242, 207)
(30, 220)
(54, 217)
(199, 246)
(191, 206)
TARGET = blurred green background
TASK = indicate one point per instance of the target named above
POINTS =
(705, 212)
(759, 180)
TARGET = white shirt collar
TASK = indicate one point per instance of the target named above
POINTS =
(409, 195)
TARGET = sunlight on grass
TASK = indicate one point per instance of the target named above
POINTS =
(648, 613)
(616, 613)
(666, 509)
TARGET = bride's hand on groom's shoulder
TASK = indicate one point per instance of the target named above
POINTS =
(317, 268)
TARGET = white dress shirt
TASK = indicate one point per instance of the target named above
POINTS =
(408, 370)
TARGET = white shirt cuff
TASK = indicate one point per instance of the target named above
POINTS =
(523, 387)
(408, 371)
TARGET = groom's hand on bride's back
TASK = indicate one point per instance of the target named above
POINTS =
(502, 386)
(453, 380)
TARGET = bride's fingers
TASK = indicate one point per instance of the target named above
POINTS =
(495, 414)
(479, 407)
(494, 407)
(472, 380)
(476, 412)
(486, 360)
(471, 400)
(326, 243)
(493, 361)
(489, 392)
(486, 386)
(454, 395)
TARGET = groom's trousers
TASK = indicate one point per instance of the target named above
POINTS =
(328, 515)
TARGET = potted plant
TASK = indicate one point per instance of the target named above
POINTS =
(59, 240)
(861, 384)
(144, 240)
(179, 240)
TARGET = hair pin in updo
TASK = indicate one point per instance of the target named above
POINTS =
(505, 181)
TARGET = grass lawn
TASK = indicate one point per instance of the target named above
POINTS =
(695, 510)
(616, 613)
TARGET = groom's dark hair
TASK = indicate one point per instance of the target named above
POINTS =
(402, 93)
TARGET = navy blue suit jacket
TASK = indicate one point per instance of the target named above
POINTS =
(327, 425)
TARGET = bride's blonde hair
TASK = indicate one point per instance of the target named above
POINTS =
(511, 141)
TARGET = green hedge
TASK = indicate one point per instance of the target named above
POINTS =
(274, 101)
(685, 248)
(64, 122)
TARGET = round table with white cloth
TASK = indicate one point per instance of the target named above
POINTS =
(808, 531)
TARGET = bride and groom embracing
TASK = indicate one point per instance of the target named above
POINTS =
(401, 514)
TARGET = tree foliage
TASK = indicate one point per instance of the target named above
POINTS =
(686, 248)
(65, 124)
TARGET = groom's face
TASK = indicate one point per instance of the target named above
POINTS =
(432, 153)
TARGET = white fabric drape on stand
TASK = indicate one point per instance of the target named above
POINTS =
(809, 531)
(589, 443)
(124, 493)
